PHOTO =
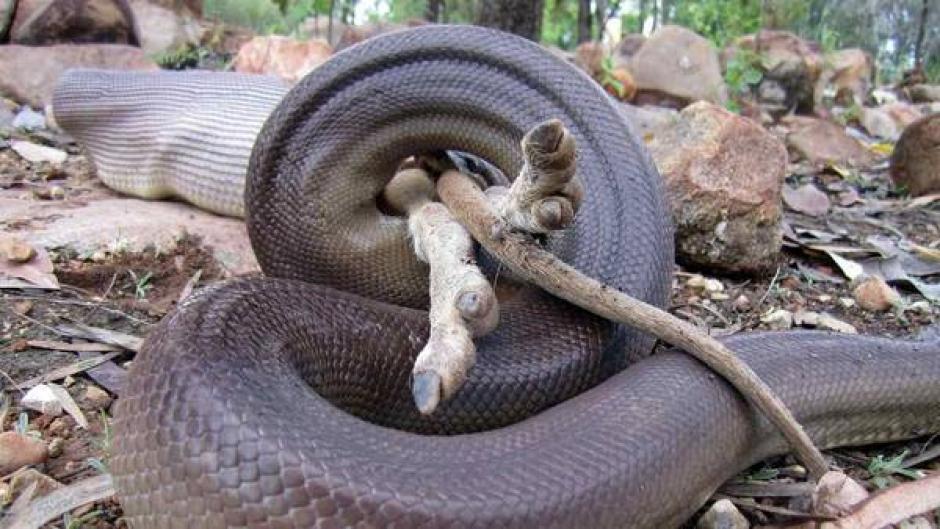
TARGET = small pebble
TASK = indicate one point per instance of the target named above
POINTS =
(55, 446)
(97, 398)
(779, 319)
(16, 250)
(872, 293)
(42, 399)
(723, 515)
(29, 120)
(18, 450)
(719, 296)
(846, 303)
(824, 298)
(59, 427)
(741, 303)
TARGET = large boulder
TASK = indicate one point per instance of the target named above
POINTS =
(44, 22)
(915, 163)
(849, 73)
(287, 58)
(679, 66)
(724, 175)
(29, 74)
(887, 121)
(163, 29)
(820, 142)
(924, 93)
(791, 66)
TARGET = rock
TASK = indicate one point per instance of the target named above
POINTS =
(836, 494)
(887, 121)
(806, 199)
(41, 398)
(16, 250)
(6, 116)
(778, 320)
(29, 120)
(35, 153)
(18, 450)
(29, 74)
(97, 398)
(679, 64)
(589, 56)
(627, 48)
(741, 303)
(806, 318)
(162, 29)
(56, 445)
(723, 177)
(284, 57)
(822, 143)
(87, 226)
(849, 73)
(647, 120)
(924, 93)
(789, 63)
(722, 515)
(872, 293)
(44, 22)
(916, 157)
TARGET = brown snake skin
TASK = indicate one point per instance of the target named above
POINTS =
(236, 411)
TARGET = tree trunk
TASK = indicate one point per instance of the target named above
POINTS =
(434, 10)
(522, 17)
(584, 21)
(919, 43)
(601, 16)
(641, 16)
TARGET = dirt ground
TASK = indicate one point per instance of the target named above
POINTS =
(129, 292)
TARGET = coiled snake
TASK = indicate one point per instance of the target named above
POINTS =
(237, 413)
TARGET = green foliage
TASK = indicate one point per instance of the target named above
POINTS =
(742, 73)
(560, 23)
(182, 58)
(719, 20)
(881, 469)
(932, 69)
(764, 474)
(607, 78)
(255, 14)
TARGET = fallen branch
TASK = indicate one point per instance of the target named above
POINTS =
(537, 266)
(98, 334)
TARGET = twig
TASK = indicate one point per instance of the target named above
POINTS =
(87, 332)
(893, 505)
(522, 256)
(60, 501)
(71, 369)
(770, 287)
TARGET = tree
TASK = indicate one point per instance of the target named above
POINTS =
(434, 11)
(584, 21)
(522, 17)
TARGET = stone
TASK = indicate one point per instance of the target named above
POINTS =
(44, 22)
(627, 48)
(679, 64)
(18, 450)
(848, 72)
(924, 93)
(29, 73)
(35, 153)
(916, 157)
(887, 121)
(96, 398)
(87, 226)
(821, 143)
(874, 294)
(778, 320)
(16, 250)
(836, 494)
(722, 515)
(806, 199)
(790, 63)
(29, 120)
(43, 399)
(287, 58)
(723, 176)
(163, 29)
(647, 120)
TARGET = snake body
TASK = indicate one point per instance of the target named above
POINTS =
(246, 406)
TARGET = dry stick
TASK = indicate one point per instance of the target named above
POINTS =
(537, 266)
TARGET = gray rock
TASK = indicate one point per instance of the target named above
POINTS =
(925, 93)
(647, 120)
(29, 120)
(723, 515)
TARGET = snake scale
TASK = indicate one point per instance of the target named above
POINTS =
(246, 406)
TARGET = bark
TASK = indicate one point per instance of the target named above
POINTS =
(434, 11)
(601, 15)
(584, 21)
(521, 17)
(921, 31)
